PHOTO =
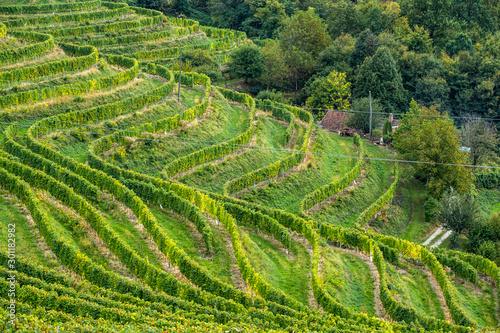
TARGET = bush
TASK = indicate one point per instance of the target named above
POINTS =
(213, 72)
(488, 250)
(273, 95)
(376, 134)
(431, 209)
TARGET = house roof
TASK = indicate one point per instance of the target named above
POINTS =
(335, 120)
(395, 123)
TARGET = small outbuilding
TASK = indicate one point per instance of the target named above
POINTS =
(334, 121)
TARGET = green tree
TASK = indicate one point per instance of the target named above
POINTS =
(366, 46)
(419, 40)
(429, 137)
(303, 36)
(461, 42)
(246, 62)
(182, 7)
(481, 137)
(345, 18)
(332, 92)
(360, 119)
(268, 16)
(275, 69)
(336, 56)
(387, 131)
(380, 75)
(458, 211)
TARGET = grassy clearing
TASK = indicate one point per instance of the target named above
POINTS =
(25, 241)
(345, 210)
(478, 300)
(288, 273)
(412, 288)
(347, 279)
(218, 263)
(288, 192)
(212, 177)
(395, 221)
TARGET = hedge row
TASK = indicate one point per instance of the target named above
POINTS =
(42, 43)
(33, 160)
(192, 25)
(170, 200)
(321, 194)
(160, 126)
(85, 57)
(112, 311)
(256, 176)
(49, 279)
(116, 10)
(139, 266)
(171, 52)
(154, 17)
(222, 33)
(307, 229)
(57, 7)
(75, 89)
(394, 308)
(375, 207)
(128, 39)
(281, 114)
(3, 31)
(460, 267)
(450, 293)
(216, 151)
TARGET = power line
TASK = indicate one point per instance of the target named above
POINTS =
(209, 143)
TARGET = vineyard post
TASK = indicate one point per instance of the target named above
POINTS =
(370, 115)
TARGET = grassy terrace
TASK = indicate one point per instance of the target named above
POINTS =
(347, 279)
(184, 233)
(412, 287)
(287, 272)
(213, 176)
(377, 180)
(287, 193)
(26, 243)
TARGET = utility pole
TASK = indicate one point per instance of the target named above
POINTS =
(180, 73)
(370, 116)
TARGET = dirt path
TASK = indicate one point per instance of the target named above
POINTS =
(235, 271)
(494, 285)
(437, 289)
(40, 241)
(113, 261)
(313, 303)
(379, 308)
(148, 239)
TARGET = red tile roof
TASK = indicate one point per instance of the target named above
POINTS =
(335, 120)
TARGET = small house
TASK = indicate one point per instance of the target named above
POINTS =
(334, 121)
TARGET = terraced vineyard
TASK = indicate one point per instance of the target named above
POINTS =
(134, 210)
